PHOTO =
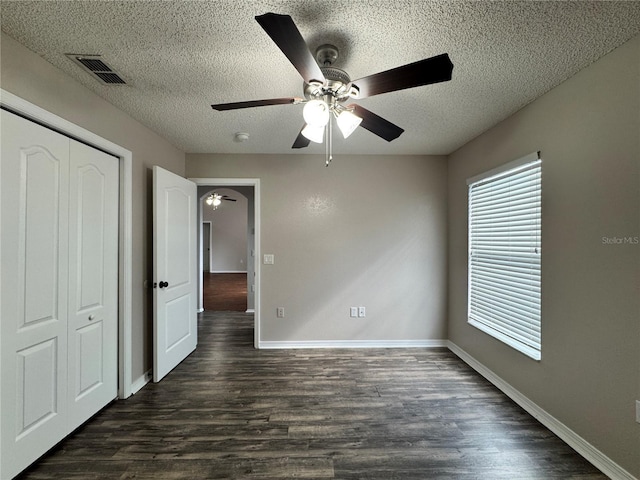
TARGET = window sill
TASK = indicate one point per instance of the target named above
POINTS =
(516, 345)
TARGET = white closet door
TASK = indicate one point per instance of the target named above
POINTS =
(59, 295)
(33, 322)
(93, 281)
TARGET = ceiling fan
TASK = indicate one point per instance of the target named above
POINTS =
(215, 199)
(327, 88)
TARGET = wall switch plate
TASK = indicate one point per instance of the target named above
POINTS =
(268, 259)
(362, 312)
(638, 411)
(280, 312)
(353, 312)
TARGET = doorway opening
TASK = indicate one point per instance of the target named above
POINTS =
(225, 249)
(234, 275)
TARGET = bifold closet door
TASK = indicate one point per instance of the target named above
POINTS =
(59, 237)
(34, 256)
(93, 282)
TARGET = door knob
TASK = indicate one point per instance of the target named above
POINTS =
(164, 284)
(92, 316)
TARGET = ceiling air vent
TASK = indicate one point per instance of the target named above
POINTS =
(98, 68)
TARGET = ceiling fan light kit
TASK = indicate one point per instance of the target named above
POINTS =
(326, 87)
(215, 200)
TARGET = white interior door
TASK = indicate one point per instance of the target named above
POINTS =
(174, 269)
(93, 281)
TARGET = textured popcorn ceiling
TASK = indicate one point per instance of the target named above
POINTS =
(181, 56)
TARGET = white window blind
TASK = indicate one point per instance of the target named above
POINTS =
(505, 252)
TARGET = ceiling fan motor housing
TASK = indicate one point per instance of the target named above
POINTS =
(337, 85)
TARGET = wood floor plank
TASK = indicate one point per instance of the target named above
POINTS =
(229, 411)
(224, 291)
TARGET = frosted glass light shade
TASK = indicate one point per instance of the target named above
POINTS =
(316, 113)
(347, 122)
(313, 133)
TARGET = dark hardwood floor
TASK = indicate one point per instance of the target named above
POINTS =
(232, 412)
(224, 292)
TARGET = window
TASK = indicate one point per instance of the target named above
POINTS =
(504, 253)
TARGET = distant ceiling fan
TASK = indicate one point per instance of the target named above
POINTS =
(215, 199)
(326, 88)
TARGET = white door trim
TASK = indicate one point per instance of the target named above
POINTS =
(245, 182)
(125, 250)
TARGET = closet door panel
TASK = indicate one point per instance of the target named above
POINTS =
(93, 281)
(33, 315)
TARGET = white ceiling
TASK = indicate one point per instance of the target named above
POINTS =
(179, 57)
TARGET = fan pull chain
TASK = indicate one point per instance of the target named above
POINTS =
(326, 145)
(329, 144)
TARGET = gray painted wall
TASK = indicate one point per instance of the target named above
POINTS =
(28, 76)
(588, 130)
(367, 231)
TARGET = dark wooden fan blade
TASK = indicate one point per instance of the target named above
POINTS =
(301, 141)
(255, 103)
(376, 124)
(425, 72)
(229, 199)
(287, 37)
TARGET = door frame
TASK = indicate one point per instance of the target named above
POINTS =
(125, 220)
(243, 182)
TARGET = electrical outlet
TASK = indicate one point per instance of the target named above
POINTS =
(362, 312)
(280, 312)
(353, 312)
(638, 411)
(268, 259)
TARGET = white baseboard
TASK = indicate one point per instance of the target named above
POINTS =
(137, 385)
(571, 438)
(250, 310)
(227, 271)
(354, 344)
(200, 310)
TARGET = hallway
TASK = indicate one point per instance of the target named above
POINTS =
(224, 292)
